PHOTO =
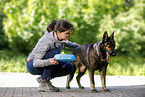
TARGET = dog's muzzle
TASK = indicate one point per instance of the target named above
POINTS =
(113, 53)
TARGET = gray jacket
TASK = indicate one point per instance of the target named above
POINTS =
(47, 42)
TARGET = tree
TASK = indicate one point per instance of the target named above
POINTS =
(129, 29)
(27, 20)
(3, 40)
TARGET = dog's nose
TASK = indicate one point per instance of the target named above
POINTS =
(114, 54)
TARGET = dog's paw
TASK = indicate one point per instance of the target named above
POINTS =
(94, 91)
(81, 87)
(106, 90)
(68, 87)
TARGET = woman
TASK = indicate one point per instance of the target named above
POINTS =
(41, 62)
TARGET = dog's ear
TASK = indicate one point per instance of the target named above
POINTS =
(112, 35)
(105, 36)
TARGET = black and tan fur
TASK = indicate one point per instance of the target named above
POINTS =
(92, 56)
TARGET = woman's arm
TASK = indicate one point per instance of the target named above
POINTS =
(71, 45)
(38, 60)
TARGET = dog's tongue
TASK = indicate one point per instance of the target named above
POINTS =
(108, 57)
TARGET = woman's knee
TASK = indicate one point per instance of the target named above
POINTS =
(33, 70)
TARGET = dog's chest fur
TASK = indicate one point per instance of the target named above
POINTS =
(96, 59)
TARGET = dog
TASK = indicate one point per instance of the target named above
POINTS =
(93, 56)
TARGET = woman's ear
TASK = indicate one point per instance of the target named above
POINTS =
(58, 35)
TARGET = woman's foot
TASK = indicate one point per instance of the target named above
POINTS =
(46, 85)
(38, 79)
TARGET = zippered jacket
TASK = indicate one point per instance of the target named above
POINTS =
(47, 42)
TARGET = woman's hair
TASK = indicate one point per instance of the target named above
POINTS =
(60, 25)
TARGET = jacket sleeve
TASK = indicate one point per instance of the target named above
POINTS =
(38, 60)
(71, 45)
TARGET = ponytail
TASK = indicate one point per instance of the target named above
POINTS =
(50, 27)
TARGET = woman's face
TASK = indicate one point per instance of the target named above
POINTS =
(63, 35)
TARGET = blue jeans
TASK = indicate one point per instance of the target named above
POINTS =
(52, 71)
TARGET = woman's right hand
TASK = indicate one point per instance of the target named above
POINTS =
(53, 61)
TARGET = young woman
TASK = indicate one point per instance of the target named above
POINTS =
(41, 62)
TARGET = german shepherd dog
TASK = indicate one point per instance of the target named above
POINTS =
(93, 56)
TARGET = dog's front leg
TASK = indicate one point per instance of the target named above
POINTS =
(103, 79)
(92, 83)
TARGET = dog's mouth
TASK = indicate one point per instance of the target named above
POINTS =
(107, 57)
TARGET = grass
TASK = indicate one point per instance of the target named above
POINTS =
(12, 61)
(130, 66)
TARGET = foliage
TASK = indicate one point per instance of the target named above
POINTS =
(129, 29)
(27, 20)
(3, 39)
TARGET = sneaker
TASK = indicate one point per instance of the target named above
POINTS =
(45, 86)
(38, 79)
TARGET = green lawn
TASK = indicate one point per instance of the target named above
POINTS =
(11, 61)
(122, 65)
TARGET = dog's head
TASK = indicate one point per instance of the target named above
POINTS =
(109, 43)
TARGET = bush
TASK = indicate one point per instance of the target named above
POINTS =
(129, 29)
(27, 20)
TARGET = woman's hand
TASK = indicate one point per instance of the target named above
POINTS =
(53, 61)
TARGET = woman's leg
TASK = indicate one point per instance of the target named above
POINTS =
(45, 72)
(62, 69)
(49, 72)
(48, 69)
(34, 70)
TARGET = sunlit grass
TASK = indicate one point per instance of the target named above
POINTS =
(11, 61)
(121, 65)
